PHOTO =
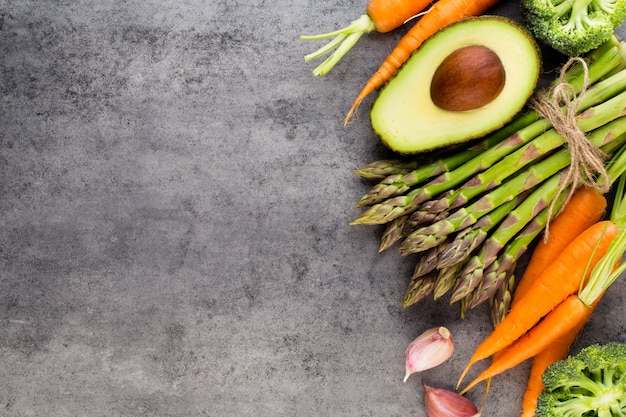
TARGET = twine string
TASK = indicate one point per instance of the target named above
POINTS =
(560, 106)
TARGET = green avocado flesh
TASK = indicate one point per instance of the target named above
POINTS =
(404, 115)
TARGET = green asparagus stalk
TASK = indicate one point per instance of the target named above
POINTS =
(460, 247)
(498, 269)
(498, 289)
(470, 238)
(425, 215)
(433, 258)
(428, 261)
(379, 170)
(590, 119)
(608, 57)
(537, 201)
(614, 42)
(446, 277)
(388, 171)
(470, 274)
(397, 184)
(469, 277)
(393, 232)
(418, 289)
(479, 276)
(500, 302)
(405, 204)
(617, 165)
(426, 237)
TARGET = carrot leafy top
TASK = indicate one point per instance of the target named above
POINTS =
(610, 267)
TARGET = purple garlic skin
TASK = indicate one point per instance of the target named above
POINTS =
(443, 403)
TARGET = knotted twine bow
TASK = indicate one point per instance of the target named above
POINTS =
(560, 106)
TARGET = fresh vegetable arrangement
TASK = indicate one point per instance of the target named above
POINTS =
(470, 215)
(487, 167)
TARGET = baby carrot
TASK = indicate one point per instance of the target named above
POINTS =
(560, 279)
(586, 207)
(565, 316)
(441, 14)
(556, 350)
(381, 16)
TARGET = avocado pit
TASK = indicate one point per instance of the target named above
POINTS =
(467, 79)
(485, 69)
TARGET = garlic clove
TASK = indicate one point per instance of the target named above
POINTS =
(443, 403)
(431, 348)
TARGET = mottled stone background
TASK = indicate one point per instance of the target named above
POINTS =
(176, 189)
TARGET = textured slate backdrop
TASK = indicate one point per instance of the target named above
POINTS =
(176, 191)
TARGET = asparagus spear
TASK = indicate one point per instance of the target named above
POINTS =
(397, 184)
(379, 170)
(468, 279)
(608, 59)
(425, 237)
(497, 285)
(592, 118)
(537, 201)
(393, 232)
(425, 215)
(500, 302)
(427, 262)
(470, 238)
(400, 183)
(497, 269)
(471, 275)
(419, 288)
(445, 280)
(457, 249)
(499, 280)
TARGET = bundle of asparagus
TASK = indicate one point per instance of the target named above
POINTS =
(471, 212)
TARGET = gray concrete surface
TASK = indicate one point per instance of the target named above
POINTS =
(176, 191)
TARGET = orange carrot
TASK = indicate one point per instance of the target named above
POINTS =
(556, 350)
(563, 277)
(388, 15)
(381, 16)
(563, 318)
(441, 14)
(586, 207)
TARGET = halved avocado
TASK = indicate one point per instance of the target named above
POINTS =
(465, 81)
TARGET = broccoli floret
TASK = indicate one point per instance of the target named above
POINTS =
(590, 383)
(573, 27)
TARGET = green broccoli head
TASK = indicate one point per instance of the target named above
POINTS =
(573, 27)
(591, 383)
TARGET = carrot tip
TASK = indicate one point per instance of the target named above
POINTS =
(474, 382)
(351, 116)
(469, 365)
